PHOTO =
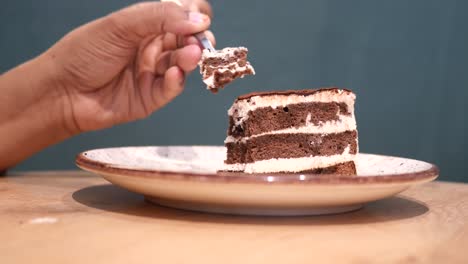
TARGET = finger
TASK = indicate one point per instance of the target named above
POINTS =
(170, 87)
(138, 21)
(204, 7)
(199, 6)
(185, 58)
(170, 41)
(148, 56)
(191, 40)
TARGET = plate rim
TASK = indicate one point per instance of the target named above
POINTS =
(88, 164)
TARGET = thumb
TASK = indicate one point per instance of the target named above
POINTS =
(139, 21)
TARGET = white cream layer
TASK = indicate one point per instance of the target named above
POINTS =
(292, 164)
(224, 53)
(344, 123)
(209, 82)
(236, 69)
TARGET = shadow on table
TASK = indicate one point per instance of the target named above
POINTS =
(117, 200)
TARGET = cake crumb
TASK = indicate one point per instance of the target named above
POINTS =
(221, 67)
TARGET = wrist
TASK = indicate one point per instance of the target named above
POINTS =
(52, 76)
(52, 97)
(31, 111)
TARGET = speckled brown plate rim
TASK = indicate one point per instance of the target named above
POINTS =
(88, 164)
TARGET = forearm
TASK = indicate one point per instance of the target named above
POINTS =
(31, 111)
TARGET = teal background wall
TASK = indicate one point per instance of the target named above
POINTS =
(406, 60)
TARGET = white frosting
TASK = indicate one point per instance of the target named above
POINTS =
(345, 123)
(240, 69)
(225, 54)
(209, 82)
(292, 164)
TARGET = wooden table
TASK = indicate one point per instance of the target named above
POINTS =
(76, 217)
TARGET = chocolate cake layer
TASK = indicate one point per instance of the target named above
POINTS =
(276, 146)
(267, 119)
(295, 92)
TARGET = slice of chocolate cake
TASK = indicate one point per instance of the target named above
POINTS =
(221, 67)
(293, 131)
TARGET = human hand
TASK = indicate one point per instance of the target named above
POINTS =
(128, 64)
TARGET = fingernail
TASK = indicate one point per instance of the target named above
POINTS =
(196, 17)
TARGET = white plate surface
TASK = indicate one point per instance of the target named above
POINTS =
(186, 177)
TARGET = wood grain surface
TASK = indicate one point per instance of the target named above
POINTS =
(76, 217)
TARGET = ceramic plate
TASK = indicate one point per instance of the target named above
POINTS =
(187, 178)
